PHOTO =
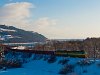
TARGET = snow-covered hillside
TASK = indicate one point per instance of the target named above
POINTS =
(47, 65)
(10, 34)
(7, 30)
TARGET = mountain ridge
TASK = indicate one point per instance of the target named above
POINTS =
(11, 34)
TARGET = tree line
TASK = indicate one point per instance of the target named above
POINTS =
(90, 45)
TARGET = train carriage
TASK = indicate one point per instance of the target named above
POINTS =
(80, 54)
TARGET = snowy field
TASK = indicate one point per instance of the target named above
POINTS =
(42, 67)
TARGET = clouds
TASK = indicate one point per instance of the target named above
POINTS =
(45, 22)
(50, 28)
(17, 14)
(45, 25)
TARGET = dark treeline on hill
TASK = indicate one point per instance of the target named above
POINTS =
(19, 35)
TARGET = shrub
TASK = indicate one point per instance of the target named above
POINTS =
(37, 57)
(63, 61)
(98, 64)
(46, 57)
(84, 63)
(10, 64)
(67, 69)
(15, 64)
(52, 59)
(26, 55)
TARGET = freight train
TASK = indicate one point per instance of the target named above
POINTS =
(65, 53)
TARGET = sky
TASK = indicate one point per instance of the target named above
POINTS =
(55, 19)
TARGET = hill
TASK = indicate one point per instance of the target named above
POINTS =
(12, 34)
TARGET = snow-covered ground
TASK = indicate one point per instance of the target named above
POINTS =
(42, 67)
